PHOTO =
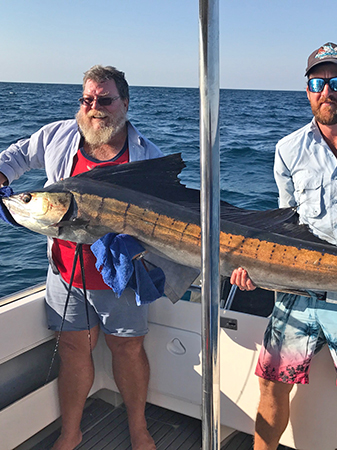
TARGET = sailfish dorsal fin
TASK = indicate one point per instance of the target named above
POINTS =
(159, 178)
(151, 176)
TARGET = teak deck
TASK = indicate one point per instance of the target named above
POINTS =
(105, 428)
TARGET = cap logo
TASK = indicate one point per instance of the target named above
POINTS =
(327, 51)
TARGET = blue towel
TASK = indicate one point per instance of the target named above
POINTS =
(115, 261)
(6, 191)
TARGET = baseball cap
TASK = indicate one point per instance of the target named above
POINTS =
(325, 54)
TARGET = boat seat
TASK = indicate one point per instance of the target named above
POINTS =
(26, 373)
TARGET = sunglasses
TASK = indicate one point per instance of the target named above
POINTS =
(317, 84)
(102, 101)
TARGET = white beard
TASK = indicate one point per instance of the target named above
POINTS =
(104, 134)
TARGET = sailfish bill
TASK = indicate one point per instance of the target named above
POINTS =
(146, 200)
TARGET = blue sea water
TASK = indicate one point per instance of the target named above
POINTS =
(251, 122)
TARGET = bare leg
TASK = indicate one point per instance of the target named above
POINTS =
(75, 380)
(272, 415)
(131, 372)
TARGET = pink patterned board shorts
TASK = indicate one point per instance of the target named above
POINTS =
(298, 328)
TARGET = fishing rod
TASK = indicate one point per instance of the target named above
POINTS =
(77, 256)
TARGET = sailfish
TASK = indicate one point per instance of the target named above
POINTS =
(147, 200)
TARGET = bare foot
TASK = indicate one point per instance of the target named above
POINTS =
(143, 441)
(64, 443)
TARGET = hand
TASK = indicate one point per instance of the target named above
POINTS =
(3, 180)
(241, 279)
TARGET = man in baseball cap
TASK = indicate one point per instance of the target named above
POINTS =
(305, 174)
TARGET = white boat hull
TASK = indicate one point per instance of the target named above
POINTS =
(174, 349)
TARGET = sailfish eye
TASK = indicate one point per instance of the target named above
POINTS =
(26, 198)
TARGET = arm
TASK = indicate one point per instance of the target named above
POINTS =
(22, 156)
(284, 181)
(51, 148)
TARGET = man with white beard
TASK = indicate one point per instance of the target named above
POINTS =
(100, 135)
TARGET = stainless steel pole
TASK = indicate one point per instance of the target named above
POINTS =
(210, 223)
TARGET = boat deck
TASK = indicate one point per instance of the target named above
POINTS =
(105, 427)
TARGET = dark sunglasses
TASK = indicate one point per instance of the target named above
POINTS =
(102, 101)
(317, 84)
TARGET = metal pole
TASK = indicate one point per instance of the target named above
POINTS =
(210, 223)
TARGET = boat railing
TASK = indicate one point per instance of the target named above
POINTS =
(19, 295)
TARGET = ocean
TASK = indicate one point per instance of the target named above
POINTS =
(251, 122)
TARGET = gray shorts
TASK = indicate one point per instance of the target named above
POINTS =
(117, 316)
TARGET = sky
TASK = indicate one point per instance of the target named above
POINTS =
(264, 44)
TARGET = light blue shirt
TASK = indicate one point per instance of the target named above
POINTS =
(54, 146)
(305, 172)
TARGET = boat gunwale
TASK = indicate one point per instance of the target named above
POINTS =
(23, 293)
